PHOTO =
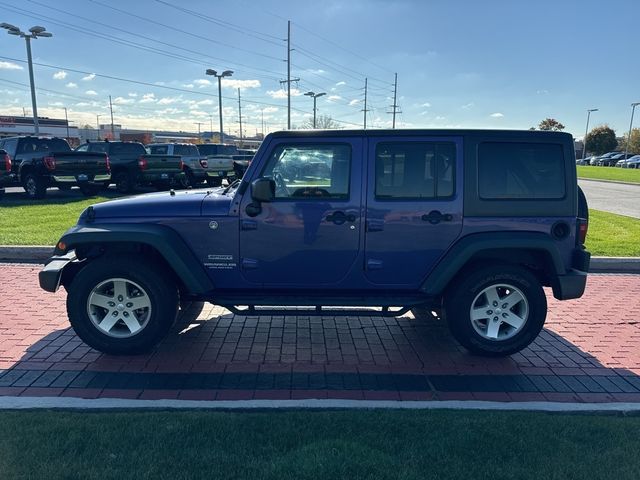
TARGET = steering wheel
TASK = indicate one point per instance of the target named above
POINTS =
(281, 185)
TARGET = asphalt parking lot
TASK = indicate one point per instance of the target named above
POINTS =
(588, 352)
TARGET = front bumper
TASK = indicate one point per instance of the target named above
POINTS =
(51, 275)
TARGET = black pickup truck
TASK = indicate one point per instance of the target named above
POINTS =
(131, 165)
(5, 171)
(38, 163)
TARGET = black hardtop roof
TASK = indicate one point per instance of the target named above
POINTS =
(558, 136)
(113, 141)
(39, 137)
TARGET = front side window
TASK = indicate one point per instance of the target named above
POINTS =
(415, 170)
(520, 171)
(310, 171)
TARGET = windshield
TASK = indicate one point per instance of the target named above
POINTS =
(185, 150)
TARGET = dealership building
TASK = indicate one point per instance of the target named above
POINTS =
(53, 127)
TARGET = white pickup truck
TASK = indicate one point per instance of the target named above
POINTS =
(224, 160)
(195, 165)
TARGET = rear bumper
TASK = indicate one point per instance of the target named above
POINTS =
(219, 173)
(79, 179)
(572, 284)
(51, 275)
(160, 177)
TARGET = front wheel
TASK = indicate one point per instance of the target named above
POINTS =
(122, 305)
(496, 310)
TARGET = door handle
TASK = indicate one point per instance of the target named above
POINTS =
(436, 216)
(340, 217)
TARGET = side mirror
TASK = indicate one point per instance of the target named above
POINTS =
(263, 190)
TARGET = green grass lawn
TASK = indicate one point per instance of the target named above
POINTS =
(631, 175)
(39, 222)
(324, 445)
(613, 235)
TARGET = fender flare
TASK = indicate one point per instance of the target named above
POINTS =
(165, 240)
(463, 250)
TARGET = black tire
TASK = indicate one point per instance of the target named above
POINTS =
(187, 179)
(34, 186)
(1, 193)
(161, 294)
(124, 182)
(214, 181)
(90, 190)
(466, 291)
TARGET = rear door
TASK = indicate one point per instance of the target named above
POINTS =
(309, 235)
(414, 206)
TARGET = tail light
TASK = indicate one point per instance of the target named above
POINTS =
(50, 163)
(204, 163)
(7, 162)
(181, 165)
(583, 227)
(142, 163)
(108, 162)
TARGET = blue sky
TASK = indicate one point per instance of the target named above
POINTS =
(460, 64)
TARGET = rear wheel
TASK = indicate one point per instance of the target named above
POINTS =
(214, 181)
(496, 310)
(35, 186)
(187, 179)
(122, 304)
(124, 182)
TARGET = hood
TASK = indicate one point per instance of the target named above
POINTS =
(183, 203)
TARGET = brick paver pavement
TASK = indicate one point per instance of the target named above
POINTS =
(589, 351)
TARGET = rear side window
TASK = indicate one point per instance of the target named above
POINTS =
(521, 171)
(98, 147)
(127, 149)
(415, 170)
(185, 150)
(158, 149)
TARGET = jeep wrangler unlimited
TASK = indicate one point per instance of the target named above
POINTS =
(471, 223)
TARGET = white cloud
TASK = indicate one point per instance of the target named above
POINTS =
(319, 71)
(202, 82)
(167, 100)
(198, 113)
(281, 94)
(89, 77)
(56, 104)
(148, 98)
(231, 83)
(123, 101)
(334, 98)
(208, 101)
(91, 92)
(542, 92)
(132, 94)
(496, 115)
(61, 75)
(440, 117)
(354, 102)
(71, 85)
(468, 106)
(270, 109)
(187, 85)
(10, 66)
(426, 105)
(169, 111)
(340, 84)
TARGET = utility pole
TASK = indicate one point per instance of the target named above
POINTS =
(262, 112)
(199, 123)
(289, 79)
(67, 120)
(626, 148)
(98, 126)
(113, 133)
(586, 132)
(365, 103)
(395, 104)
(240, 115)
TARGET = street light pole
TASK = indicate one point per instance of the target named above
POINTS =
(34, 32)
(584, 147)
(98, 126)
(314, 96)
(626, 148)
(226, 73)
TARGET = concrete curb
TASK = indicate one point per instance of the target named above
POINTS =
(20, 403)
(608, 181)
(40, 254)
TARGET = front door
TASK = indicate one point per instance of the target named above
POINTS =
(309, 235)
(414, 207)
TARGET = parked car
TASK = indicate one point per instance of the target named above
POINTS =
(6, 176)
(42, 162)
(602, 158)
(585, 161)
(226, 160)
(131, 165)
(612, 160)
(194, 164)
(624, 160)
(634, 162)
(473, 222)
